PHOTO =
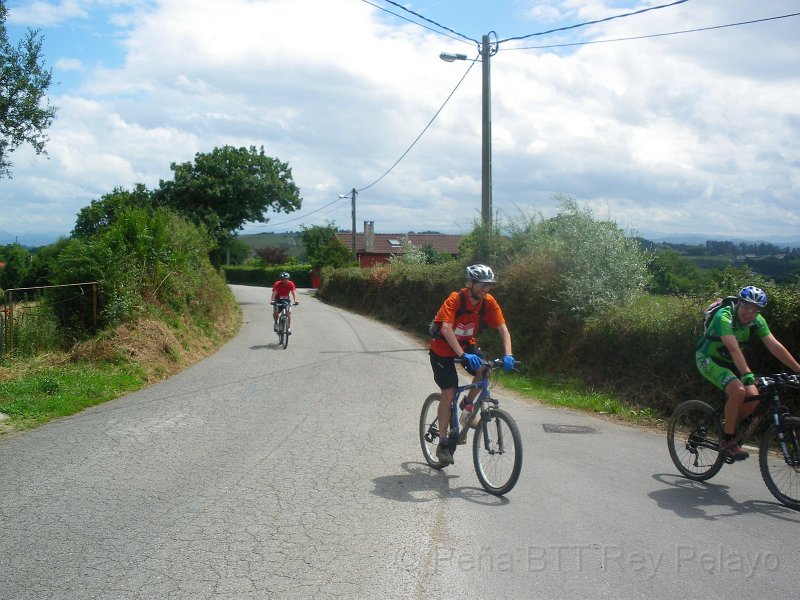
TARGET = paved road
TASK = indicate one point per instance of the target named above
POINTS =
(269, 473)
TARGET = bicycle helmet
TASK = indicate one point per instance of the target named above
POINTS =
(285, 275)
(480, 274)
(753, 295)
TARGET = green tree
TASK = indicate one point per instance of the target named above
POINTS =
(323, 247)
(101, 213)
(43, 264)
(485, 244)
(674, 274)
(25, 114)
(228, 187)
(272, 255)
(18, 261)
(597, 265)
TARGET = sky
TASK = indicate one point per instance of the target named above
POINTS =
(692, 133)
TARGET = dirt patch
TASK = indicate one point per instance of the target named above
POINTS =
(158, 349)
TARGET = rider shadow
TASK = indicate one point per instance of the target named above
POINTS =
(273, 346)
(710, 501)
(420, 483)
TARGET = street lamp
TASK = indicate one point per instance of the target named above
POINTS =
(487, 50)
(353, 193)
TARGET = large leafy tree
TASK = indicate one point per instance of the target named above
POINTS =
(228, 187)
(101, 213)
(323, 247)
(25, 113)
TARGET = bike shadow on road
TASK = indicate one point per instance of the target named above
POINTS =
(420, 483)
(710, 501)
(274, 346)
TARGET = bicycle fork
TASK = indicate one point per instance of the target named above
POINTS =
(787, 456)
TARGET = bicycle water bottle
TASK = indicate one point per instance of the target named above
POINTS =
(464, 417)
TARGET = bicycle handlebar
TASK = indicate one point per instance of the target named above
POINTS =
(496, 363)
(778, 380)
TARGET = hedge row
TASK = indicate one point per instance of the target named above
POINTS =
(302, 275)
(643, 354)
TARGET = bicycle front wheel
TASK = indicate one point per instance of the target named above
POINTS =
(429, 430)
(782, 476)
(283, 331)
(693, 439)
(497, 451)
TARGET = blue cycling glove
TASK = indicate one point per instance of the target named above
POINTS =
(508, 362)
(472, 361)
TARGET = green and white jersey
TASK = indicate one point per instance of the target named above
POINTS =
(726, 322)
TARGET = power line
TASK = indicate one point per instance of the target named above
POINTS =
(655, 35)
(472, 64)
(630, 14)
(439, 25)
(413, 22)
(270, 224)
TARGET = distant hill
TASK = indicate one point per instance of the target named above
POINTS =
(30, 240)
(699, 239)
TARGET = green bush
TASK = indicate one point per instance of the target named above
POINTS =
(145, 261)
(302, 275)
(638, 347)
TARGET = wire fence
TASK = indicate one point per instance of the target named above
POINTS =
(48, 317)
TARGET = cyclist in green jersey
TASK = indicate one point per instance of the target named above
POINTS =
(720, 359)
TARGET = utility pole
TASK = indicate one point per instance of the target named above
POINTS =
(486, 154)
(353, 211)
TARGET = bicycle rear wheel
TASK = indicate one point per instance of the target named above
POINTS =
(693, 439)
(497, 451)
(283, 334)
(429, 430)
(782, 477)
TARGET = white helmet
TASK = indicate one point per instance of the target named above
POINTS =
(480, 274)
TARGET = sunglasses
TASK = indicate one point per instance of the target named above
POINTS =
(752, 309)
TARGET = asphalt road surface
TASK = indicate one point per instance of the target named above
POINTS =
(268, 473)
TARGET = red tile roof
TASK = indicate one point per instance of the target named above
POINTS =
(391, 243)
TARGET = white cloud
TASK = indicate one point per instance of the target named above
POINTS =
(46, 14)
(679, 133)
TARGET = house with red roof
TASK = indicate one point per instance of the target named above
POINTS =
(376, 248)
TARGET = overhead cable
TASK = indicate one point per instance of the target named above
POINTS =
(654, 35)
(622, 16)
(472, 64)
(439, 25)
(413, 22)
(270, 224)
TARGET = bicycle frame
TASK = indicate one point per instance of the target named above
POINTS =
(769, 404)
(484, 397)
(282, 306)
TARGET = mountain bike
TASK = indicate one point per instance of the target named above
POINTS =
(695, 434)
(497, 443)
(283, 321)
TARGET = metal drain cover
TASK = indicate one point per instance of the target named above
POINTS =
(557, 428)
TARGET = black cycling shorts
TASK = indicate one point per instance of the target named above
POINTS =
(444, 368)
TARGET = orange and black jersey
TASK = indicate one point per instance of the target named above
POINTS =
(466, 320)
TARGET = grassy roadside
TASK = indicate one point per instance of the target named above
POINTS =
(571, 394)
(37, 394)
(49, 386)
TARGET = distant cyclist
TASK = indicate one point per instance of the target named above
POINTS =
(720, 359)
(281, 291)
(459, 325)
